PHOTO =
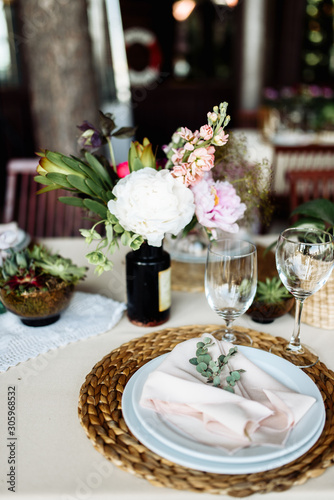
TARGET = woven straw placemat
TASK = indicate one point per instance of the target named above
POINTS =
(100, 413)
(187, 276)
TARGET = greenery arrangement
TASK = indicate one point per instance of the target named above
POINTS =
(211, 369)
(271, 291)
(36, 269)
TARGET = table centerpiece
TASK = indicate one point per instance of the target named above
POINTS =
(139, 201)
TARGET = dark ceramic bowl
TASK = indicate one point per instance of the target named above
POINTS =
(39, 308)
(260, 312)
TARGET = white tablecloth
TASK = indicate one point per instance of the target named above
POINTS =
(54, 458)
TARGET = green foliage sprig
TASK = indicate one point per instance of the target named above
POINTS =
(211, 369)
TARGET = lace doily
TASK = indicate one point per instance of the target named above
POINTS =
(87, 315)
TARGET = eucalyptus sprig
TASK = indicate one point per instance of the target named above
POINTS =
(211, 369)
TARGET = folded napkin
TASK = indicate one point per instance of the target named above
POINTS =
(88, 314)
(262, 411)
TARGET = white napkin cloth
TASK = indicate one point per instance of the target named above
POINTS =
(262, 411)
(88, 314)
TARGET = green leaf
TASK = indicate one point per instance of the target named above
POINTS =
(73, 163)
(99, 169)
(320, 208)
(193, 361)
(118, 228)
(96, 207)
(229, 389)
(200, 344)
(216, 381)
(235, 374)
(79, 184)
(74, 201)
(205, 358)
(201, 367)
(60, 179)
(201, 351)
(97, 189)
(56, 158)
(42, 179)
(46, 189)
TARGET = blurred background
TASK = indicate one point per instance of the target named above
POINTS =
(160, 65)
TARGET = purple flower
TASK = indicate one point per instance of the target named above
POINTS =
(217, 204)
(91, 138)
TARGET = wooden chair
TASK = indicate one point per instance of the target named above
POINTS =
(310, 157)
(39, 215)
(306, 185)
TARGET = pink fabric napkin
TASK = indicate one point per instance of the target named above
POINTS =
(262, 411)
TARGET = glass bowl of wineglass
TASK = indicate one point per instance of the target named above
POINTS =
(230, 283)
(304, 261)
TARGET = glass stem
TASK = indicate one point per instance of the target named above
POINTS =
(295, 344)
(229, 335)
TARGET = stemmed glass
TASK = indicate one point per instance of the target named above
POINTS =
(230, 283)
(304, 260)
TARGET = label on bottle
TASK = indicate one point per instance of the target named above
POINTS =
(165, 294)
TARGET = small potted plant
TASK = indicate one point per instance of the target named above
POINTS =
(271, 301)
(37, 285)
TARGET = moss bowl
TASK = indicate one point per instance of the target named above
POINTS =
(39, 308)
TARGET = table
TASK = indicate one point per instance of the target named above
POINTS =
(54, 457)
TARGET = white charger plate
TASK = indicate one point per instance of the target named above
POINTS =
(166, 440)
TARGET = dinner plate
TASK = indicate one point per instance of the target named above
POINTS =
(163, 438)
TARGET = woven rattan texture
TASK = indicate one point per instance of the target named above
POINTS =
(318, 309)
(100, 413)
(187, 276)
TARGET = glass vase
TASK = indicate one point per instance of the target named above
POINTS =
(148, 284)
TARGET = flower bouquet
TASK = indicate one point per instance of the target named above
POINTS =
(140, 201)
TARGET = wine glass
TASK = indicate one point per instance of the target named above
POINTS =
(304, 260)
(230, 283)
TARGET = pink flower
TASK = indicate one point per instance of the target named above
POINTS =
(217, 204)
(123, 169)
(206, 132)
(220, 138)
(186, 134)
(200, 161)
(202, 158)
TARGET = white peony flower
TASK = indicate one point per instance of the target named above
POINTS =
(152, 203)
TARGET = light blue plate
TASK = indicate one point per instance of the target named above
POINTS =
(167, 441)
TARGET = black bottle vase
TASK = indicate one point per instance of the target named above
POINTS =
(148, 284)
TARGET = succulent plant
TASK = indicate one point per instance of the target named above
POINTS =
(271, 291)
(30, 270)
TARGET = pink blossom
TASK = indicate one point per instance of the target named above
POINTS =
(186, 134)
(220, 138)
(206, 132)
(217, 204)
(203, 158)
(200, 161)
(123, 169)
